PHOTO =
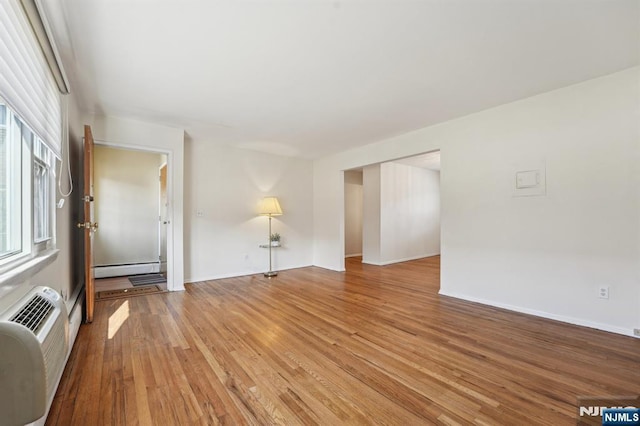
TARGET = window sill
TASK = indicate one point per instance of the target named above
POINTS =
(23, 271)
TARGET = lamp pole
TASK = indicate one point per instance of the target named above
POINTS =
(270, 273)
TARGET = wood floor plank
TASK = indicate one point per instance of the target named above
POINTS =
(373, 345)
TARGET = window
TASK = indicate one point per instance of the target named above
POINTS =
(10, 188)
(31, 133)
(42, 193)
(26, 190)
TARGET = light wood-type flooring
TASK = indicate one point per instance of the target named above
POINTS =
(374, 345)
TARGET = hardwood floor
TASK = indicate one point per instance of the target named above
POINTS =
(374, 345)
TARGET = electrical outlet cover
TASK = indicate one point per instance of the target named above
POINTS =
(603, 292)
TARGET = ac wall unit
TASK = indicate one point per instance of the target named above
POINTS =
(34, 339)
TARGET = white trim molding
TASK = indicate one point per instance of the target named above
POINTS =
(542, 314)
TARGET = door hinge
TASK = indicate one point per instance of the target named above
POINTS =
(87, 198)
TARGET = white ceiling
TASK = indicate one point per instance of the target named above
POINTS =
(313, 77)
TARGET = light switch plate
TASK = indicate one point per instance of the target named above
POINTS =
(530, 181)
(527, 179)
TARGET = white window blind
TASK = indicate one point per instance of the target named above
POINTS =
(26, 83)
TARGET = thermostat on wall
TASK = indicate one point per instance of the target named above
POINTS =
(530, 181)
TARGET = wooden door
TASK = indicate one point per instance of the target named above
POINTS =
(163, 220)
(88, 226)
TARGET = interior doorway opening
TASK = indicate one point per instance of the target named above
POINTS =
(130, 249)
(353, 213)
(392, 210)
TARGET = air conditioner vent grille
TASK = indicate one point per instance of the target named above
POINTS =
(34, 313)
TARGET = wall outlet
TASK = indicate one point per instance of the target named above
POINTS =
(603, 292)
(636, 332)
(199, 213)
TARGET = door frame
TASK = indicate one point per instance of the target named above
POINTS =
(172, 285)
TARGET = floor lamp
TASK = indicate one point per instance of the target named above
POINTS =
(270, 207)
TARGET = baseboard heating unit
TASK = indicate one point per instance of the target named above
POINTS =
(34, 342)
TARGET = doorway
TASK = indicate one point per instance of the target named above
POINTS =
(353, 213)
(131, 205)
(399, 206)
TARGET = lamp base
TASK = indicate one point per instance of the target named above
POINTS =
(271, 274)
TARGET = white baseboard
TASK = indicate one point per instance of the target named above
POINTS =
(353, 255)
(405, 259)
(542, 314)
(125, 270)
(75, 320)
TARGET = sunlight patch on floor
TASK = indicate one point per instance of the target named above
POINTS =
(118, 318)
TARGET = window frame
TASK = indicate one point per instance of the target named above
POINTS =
(33, 152)
(47, 164)
(14, 219)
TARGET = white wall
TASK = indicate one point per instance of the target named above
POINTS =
(127, 192)
(353, 212)
(544, 255)
(132, 134)
(371, 215)
(401, 213)
(225, 184)
(409, 213)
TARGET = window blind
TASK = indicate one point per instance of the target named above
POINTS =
(26, 83)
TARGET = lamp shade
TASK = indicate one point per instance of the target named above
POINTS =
(270, 207)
